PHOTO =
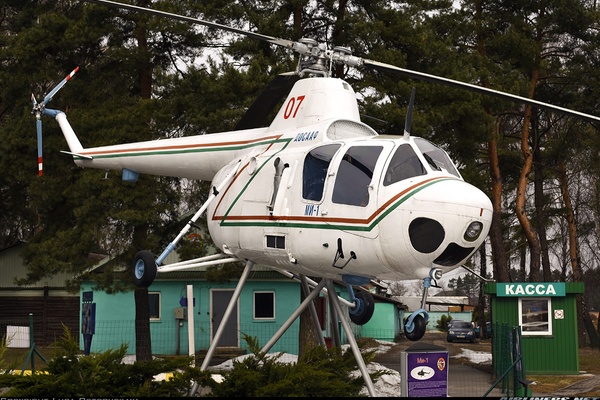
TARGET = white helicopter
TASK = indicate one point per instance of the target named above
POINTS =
(317, 193)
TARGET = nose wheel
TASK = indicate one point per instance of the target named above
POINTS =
(415, 329)
(416, 324)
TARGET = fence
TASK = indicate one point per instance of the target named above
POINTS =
(508, 360)
(172, 337)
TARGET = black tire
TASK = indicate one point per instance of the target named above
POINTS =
(418, 330)
(144, 269)
(365, 306)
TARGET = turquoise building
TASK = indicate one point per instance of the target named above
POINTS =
(266, 302)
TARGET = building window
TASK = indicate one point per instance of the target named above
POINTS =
(534, 316)
(264, 305)
(154, 305)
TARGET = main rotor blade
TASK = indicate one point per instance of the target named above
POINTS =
(257, 114)
(269, 39)
(345, 58)
(478, 89)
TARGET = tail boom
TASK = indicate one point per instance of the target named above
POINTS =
(193, 157)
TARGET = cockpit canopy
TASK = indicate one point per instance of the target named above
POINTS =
(355, 171)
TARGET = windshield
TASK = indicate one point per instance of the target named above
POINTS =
(404, 165)
(461, 325)
(436, 157)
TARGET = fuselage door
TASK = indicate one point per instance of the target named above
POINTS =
(350, 201)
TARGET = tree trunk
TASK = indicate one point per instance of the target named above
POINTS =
(540, 203)
(584, 321)
(528, 229)
(500, 265)
(482, 306)
(522, 263)
(143, 342)
(307, 337)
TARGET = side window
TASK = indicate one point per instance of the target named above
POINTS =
(264, 305)
(534, 316)
(355, 174)
(315, 169)
(154, 305)
(404, 164)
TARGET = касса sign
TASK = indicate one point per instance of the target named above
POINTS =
(531, 289)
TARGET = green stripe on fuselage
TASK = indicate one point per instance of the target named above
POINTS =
(203, 149)
(331, 225)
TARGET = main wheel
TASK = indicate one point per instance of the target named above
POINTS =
(363, 311)
(144, 269)
(418, 329)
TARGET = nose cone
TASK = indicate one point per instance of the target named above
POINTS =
(449, 220)
(452, 193)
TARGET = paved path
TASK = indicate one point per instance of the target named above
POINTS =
(463, 380)
(590, 384)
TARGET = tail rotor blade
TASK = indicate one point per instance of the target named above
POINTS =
(59, 86)
(38, 124)
(39, 109)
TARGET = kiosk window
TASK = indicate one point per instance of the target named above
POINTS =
(534, 316)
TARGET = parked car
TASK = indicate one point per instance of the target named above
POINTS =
(488, 330)
(461, 330)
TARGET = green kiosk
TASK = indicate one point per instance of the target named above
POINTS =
(547, 315)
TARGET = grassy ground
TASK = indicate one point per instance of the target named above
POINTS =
(588, 363)
(16, 359)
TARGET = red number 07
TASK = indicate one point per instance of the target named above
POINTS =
(292, 107)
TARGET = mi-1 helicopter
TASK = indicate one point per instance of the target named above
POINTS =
(317, 193)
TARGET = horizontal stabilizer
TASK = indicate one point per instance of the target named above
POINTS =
(77, 155)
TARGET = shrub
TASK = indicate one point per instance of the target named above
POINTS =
(320, 372)
(442, 323)
(71, 374)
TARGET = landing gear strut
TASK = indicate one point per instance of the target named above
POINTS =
(416, 323)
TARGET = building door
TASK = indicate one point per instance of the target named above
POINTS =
(219, 302)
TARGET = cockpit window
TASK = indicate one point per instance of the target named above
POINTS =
(404, 164)
(315, 169)
(355, 174)
(436, 157)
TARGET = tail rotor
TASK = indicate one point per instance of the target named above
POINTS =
(39, 109)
